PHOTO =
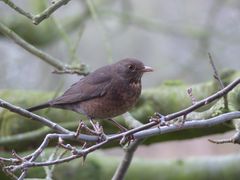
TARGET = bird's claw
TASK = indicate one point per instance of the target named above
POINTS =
(98, 130)
(81, 125)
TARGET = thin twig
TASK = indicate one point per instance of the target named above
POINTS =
(193, 99)
(47, 12)
(14, 154)
(205, 101)
(8, 173)
(221, 141)
(49, 169)
(92, 8)
(18, 9)
(36, 19)
(81, 70)
(235, 139)
(218, 78)
(30, 48)
(23, 175)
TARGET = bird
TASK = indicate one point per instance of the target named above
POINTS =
(107, 92)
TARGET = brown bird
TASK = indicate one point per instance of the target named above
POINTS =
(105, 93)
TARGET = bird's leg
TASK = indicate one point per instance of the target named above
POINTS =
(83, 126)
(122, 128)
(97, 128)
(80, 126)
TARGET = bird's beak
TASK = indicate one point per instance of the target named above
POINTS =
(147, 69)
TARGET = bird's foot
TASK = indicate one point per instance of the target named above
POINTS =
(96, 126)
(98, 130)
(128, 138)
(83, 126)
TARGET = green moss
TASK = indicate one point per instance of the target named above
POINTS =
(173, 83)
(163, 99)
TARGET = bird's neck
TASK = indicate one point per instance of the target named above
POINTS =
(134, 81)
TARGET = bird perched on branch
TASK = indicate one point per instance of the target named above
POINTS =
(105, 93)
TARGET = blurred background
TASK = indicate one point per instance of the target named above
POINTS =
(173, 36)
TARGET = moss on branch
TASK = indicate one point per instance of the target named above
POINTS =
(167, 98)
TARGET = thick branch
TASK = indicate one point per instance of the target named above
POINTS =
(129, 151)
(83, 152)
(188, 125)
(125, 162)
(44, 121)
(33, 116)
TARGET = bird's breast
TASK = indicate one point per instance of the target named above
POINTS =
(117, 100)
(126, 94)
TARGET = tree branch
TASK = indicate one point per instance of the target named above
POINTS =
(81, 70)
(18, 9)
(36, 19)
(44, 121)
(33, 116)
(218, 78)
(205, 101)
(76, 153)
(129, 151)
(141, 132)
(126, 160)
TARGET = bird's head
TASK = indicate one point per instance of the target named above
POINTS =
(131, 69)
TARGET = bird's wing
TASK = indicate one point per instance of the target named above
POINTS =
(92, 86)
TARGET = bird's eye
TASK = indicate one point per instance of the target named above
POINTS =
(131, 67)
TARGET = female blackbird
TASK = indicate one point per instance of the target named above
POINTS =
(105, 93)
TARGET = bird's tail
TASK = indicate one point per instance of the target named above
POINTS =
(38, 107)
